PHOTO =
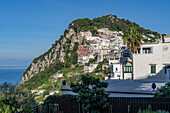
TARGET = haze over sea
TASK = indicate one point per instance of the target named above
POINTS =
(11, 74)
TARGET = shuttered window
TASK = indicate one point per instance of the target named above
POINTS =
(153, 68)
(128, 69)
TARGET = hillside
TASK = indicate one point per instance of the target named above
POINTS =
(63, 54)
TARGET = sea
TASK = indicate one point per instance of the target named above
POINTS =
(11, 74)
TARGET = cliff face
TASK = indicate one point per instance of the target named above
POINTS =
(59, 51)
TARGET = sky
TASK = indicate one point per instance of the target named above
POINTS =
(28, 28)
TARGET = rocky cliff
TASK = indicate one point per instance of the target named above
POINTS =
(60, 52)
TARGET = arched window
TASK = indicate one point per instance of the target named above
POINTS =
(128, 67)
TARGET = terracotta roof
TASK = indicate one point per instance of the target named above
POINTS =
(168, 36)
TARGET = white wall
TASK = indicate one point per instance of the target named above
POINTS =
(160, 55)
(167, 39)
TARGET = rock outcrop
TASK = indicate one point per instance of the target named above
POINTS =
(56, 53)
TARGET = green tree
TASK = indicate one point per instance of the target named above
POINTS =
(7, 101)
(91, 94)
(133, 39)
(14, 97)
(24, 98)
(107, 71)
(7, 104)
(163, 91)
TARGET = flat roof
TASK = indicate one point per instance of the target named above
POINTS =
(128, 86)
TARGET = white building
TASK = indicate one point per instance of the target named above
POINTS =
(92, 38)
(167, 39)
(152, 60)
(83, 59)
(53, 91)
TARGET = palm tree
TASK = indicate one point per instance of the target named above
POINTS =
(133, 39)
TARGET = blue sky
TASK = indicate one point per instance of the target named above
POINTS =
(28, 28)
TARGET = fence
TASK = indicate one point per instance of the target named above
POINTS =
(118, 105)
(121, 104)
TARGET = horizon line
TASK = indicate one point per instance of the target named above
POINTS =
(13, 65)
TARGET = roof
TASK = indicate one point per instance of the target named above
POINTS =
(168, 36)
(133, 86)
(128, 86)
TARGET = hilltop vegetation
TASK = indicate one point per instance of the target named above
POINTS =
(111, 22)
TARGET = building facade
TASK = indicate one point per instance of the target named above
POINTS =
(152, 60)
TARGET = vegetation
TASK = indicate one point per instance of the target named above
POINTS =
(40, 78)
(149, 110)
(91, 94)
(163, 91)
(15, 98)
(111, 22)
(107, 71)
(99, 67)
(133, 40)
(91, 61)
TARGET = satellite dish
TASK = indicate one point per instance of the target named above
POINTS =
(64, 82)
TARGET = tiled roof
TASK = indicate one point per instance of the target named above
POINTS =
(168, 36)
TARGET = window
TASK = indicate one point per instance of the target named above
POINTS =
(128, 67)
(153, 68)
(138, 50)
(167, 66)
(147, 50)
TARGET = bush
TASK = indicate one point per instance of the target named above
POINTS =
(163, 91)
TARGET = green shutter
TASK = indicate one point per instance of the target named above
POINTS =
(153, 68)
(128, 69)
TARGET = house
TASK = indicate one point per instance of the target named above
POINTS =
(150, 62)
(167, 39)
(83, 52)
(83, 59)
(53, 91)
(57, 75)
(92, 38)
(41, 91)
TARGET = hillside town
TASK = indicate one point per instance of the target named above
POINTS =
(151, 60)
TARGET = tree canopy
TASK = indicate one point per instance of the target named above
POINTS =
(91, 94)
